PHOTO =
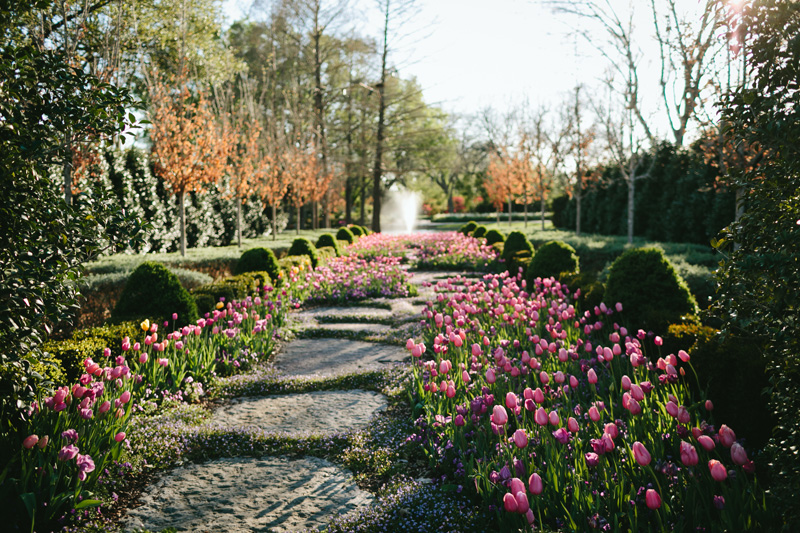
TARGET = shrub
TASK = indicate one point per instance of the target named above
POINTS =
(302, 246)
(356, 230)
(551, 259)
(468, 228)
(325, 253)
(326, 239)
(110, 334)
(480, 232)
(516, 242)
(50, 368)
(493, 236)
(652, 293)
(71, 353)
(733, 372)
(259, 260)
(294, 261)
(153, 292)
(344, 234)
(232, 288)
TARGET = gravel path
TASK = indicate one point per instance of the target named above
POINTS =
(236, 495)
(315, 412)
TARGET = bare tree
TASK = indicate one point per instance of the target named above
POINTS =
(581, 139)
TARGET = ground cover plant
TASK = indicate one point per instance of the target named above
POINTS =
(569, 421)
(451, 250)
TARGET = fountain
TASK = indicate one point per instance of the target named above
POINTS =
(399, 212)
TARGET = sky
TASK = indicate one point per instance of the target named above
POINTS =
(471, 54)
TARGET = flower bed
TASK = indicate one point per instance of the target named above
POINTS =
(352, 278)
(452, 250)
(564, 421)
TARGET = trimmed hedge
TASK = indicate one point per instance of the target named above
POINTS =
(71, 353)
(302, 246)
(468, 228)
(344, 234)
(591, 291)
(294, 261)
(232, 288)
(356, 230)
(551, 259)
(325, 253)
(652, 293)
(514, 243)
(153, 292)
(328, 240)
(480, 232)
(259, 260)
(494, 236)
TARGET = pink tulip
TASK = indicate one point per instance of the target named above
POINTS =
(544, 377)
(511, 400)
(626, 383)
(726, 436)
(476, 349)
(163, 362)
(634, 407)
(119, 437)
(572, 424)
(561, 435)
(538, 395)
(459, 420)
(573, 382)
(640, 454)
(30, 441)
(672, 409)
(499, 415)
(143, 358)
(68, 452)
(688, 454)
(516, 485)
(465, 377)
(637, 393)
(529, 516)
(652, 499)
(594, 414)
(520, 438)
(126, 397)
(683, 356)
(535, 484)
(105, 406)
(553, 418)
(592, 459)
(541, 416)
(706, 442)
(522, 502)
(718, 471)
(490, 377)
(709, 406)
(591, 376)
(510, 503)
(683, 415)
(738, 454)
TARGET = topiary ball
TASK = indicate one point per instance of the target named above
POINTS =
(344, 234)
(479, 232)
(302, 246)
(652, 293)
(468, 228)
(153, 292)
(326, 239)
(551, 259)
(259, 260)
(516, 242)
(493, 236)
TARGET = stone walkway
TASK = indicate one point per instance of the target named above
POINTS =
(275, 494)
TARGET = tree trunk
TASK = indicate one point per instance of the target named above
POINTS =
(274, 222)
(542, 208)
(525, 208)
(239, 222)
(631, 190)
(297, 225)
(498, 216)
(182, 211)
(509, 210)
(378, 168)
(578, 214)
(362, 215)
(348, 200)
(451, 206)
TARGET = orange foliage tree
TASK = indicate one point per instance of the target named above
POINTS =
(271, 185)
(190, 148)
(300, 170)
(245, 165)
(499, 185)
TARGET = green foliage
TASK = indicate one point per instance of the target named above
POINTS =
(591, 291)
(71, 353)
(153, 292)
(259, 260)
(551, 259)
(652, 293)
(356, 230)
(326, 239)
(232, 288)
(51, 369)
(468, 228)
(759, 280)
(514, 243)
(325, 253)
(294, 261)
(732, 371)
(493, 236)
(680, 201)
(302, 246)
(480, 232)
(345, 234)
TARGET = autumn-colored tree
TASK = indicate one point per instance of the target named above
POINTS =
(499, 185)
(270, 182)
(190, 148)
(300, 171)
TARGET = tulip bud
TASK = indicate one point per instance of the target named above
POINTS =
(718, 471)
(535, 484)
(652, 499)
(640, 454)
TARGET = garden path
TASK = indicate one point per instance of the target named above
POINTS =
(276, 494)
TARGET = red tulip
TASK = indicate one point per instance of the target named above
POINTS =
(30, 441)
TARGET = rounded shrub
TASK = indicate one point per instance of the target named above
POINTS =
(259, 260)
(153, 292)
(468, 228)
(326, 239)
(344, 234)
(302, 246)
(493, 236)
(356, 230)
(652, 293)
(551, 259)
(515, 243)
(479, 232)
(233, 288)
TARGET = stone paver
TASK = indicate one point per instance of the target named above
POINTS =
(325, 357)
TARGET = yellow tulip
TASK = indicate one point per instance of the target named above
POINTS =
(145, 325)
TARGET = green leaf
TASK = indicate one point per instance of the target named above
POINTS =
(29, 499)
(88, 503)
